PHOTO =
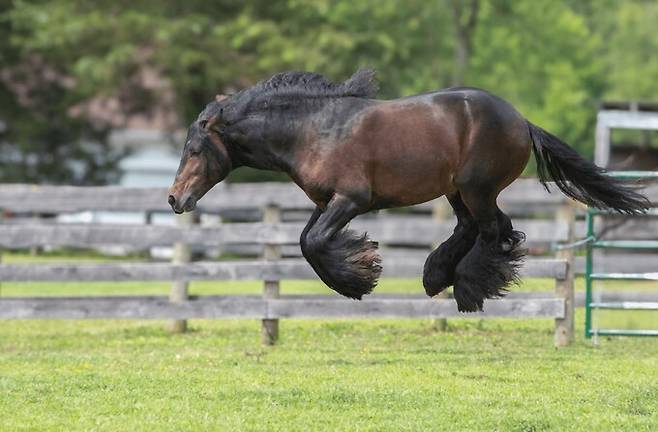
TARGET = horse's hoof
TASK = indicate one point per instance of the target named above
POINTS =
(362, 271)
(348, 264)
(436, 280)
(485, 273)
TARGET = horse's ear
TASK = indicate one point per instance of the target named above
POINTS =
(220, 97)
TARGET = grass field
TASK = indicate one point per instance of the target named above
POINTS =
(323, 375)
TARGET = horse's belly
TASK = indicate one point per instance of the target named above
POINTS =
(410, 182)
(414, 159)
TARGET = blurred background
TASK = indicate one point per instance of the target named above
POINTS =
(101, 92)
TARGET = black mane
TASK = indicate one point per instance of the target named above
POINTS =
(291, 87)
(313, 85)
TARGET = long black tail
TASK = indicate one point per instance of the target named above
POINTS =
(580, 179)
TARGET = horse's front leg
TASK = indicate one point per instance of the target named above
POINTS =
(346, 262)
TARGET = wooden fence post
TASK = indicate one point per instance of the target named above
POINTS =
(564, 288)
(148, 220)
(270, 327)
(182, 255)
(35, 250)
(441, 212)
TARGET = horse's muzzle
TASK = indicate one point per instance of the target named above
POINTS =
(183, 205)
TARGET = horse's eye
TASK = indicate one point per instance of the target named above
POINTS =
(203, 124)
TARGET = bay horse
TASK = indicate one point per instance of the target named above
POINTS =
(351, 154)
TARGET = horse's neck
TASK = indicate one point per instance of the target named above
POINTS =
(262, 159)
(275, 152)
(283, 140)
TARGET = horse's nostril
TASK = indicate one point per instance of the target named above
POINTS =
(171, 200)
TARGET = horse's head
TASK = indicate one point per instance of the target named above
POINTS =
(204, 163)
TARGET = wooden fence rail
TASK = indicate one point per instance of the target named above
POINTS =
(410, 231)
(400, 231)
(290, 306)
(62, 199)
(527, 193)
(226, 270)
(275, 237)
(319, 306)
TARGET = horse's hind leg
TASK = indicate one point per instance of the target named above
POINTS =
(492, 264)
(439, 270)
(509, 238)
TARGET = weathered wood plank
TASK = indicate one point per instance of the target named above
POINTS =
(144, 236)
(626, 228)
(62, 199)
(271, 288)
(159, 307)
(613, 296)
(615, 263)
(564, 327)
(226, 270)
(229, 270)
(528, 192)
(423, 231)
(620, 263)
(619, 297)
(398, 231)
(153, 307)
(182, 256)
(411, 308)
(409, 231)
(400, 267)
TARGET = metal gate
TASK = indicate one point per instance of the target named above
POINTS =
(590, 276)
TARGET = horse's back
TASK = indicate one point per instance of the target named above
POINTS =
(409, 148)
(498, 144)
(414, 149)
(434, 141)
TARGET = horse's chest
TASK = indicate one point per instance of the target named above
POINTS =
(314, 179)
(322, 174)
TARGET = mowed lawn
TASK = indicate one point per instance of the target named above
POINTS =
(495, 374)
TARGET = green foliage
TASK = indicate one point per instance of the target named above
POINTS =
(543, 58)
(633, 46)
(554, 59)
(41, 141)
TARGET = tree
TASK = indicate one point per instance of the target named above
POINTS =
(39, 140)
(632, 44)
(464, 27)
(541, 56)
(553, 59)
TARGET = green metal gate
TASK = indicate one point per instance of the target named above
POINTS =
(590, 276)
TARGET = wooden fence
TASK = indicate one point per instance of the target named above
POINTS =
(413, 229)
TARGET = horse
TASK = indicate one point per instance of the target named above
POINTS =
(351, 154)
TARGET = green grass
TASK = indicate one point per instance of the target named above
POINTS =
(323, 375)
